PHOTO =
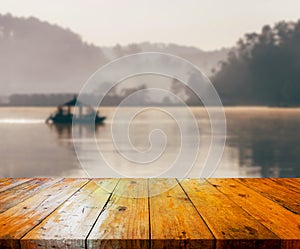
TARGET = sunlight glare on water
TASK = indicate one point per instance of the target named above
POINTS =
(21, 121)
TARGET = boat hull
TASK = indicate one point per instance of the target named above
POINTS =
(70, 120)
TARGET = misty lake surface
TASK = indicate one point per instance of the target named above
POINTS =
(260, 142)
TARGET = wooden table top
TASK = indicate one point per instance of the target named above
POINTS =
(149, 213)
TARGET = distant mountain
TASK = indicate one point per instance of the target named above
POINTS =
(38, 57)
(205, 60)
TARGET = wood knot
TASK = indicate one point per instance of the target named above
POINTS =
(251, 230)
(122, 208)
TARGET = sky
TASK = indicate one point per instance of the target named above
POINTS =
(209, 24)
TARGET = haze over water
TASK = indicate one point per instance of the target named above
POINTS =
(261, 142)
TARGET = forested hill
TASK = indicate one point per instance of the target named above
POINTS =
(38, 57)
(264, 68)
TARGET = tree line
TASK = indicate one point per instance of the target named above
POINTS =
(263, 69)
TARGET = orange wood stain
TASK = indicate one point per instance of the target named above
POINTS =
(149, 213)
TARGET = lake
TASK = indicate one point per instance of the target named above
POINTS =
(260, 142)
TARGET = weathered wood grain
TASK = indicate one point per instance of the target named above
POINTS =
(284, 223)
(7, 183)
(124, 223)
(23, 191)
(280, 194)
(155, 213)
(175, 223)
(231, 225)
(20, 219)
(288, 183)
(69, 225)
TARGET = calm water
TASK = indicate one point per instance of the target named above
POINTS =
(261, 142)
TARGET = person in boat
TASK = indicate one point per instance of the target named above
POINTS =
(64, 113)
(60, 110)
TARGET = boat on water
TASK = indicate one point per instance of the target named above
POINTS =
(65, 114)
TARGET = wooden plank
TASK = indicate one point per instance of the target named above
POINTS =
(124, 223)
(20, 219)
(7, 183)
(175, 223)
(70, 224)
(4, 179)
(285, 224)
(289, 183)
(23, 191)
(296, 179)
(231, 225)
(63, 214)
(282, 195)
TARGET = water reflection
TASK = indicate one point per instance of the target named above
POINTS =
(266, 140)
(64, 131)
(261, 142)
